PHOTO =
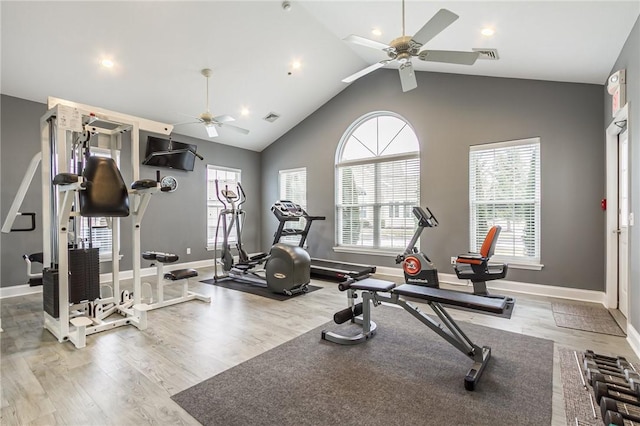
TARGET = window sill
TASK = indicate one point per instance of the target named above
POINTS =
(367, 251)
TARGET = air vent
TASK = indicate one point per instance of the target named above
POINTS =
(271, 117)
(490, 54)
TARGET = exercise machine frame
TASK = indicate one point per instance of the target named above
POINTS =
(59, 125)
(289, 276)
(446, 328)
(288, 211)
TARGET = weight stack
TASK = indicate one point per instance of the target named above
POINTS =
(84, 280)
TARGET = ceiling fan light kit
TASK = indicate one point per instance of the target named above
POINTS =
(403, 48)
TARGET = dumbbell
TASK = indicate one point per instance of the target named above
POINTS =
(605, 368)
(620, 362)
(591, 354)
(612, 415)
(626, 375)
(609, 379)
(626, 394)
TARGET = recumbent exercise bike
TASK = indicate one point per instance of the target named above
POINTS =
(475, 267)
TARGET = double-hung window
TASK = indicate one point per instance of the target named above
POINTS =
(378, 184)
(293, 187)
(504, 189)
(227, 178)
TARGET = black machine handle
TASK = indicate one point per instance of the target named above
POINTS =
(242, 195)
(218, 194)
(33, 222)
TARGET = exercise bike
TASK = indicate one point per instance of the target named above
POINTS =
(418, 268)
(285, 269)
(475, 267)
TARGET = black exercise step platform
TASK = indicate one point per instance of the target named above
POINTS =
(372, 284)
(452, 297)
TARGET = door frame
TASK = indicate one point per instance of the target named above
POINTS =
(611, 227)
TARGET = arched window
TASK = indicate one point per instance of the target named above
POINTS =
(378, 183)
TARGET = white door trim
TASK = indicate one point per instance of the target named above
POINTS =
(611, 227)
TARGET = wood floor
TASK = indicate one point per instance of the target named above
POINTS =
(126, 376)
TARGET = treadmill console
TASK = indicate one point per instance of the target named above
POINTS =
(287, 210)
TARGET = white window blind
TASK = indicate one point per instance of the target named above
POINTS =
(504, 189)
(293, 187)
(227, 178)
(378, 183)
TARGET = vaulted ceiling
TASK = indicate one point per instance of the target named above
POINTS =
(159, 48)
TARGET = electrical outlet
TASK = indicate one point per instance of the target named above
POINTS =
(453, 260)
(188, 250)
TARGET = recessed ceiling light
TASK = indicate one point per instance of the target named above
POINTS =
(107, 63)
(488, 32)
(244, 111)
(296, 65)
(376, 32)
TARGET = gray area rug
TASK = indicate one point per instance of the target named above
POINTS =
(405, 375)
(596, 319)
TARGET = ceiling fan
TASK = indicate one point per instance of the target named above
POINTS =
(210, 121)
(403, 48)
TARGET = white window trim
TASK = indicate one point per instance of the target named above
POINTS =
(365, 250)
(212, 247)
(382, 251)
(513, 262)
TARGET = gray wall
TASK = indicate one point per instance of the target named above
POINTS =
(449, 113)
(173, 221)
(630, 59)
(19, 142)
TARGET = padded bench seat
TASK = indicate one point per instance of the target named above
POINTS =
(160, 257)
(372, 284)
(180, 274)
(451, 297)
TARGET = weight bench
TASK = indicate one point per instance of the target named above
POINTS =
(171, 277)
(446, 328)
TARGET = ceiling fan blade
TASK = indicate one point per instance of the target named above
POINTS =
(224, 118)
(366, 42)
(211, 130)
(186, 122)
(441, 20)
(449, 56)
(235, 128)
(365, 71)
(407, 77)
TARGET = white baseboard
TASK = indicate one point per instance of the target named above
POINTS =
(19, 290)
(22, 290)
(633, 337)
(498, 285)
(515, 287)
(145, 272)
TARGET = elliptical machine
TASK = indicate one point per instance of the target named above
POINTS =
(286, 268)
